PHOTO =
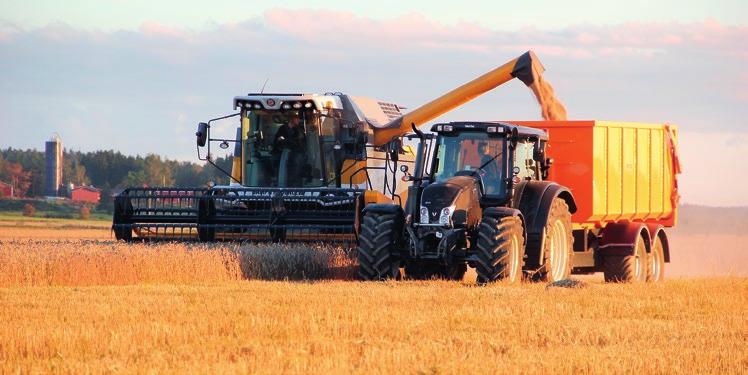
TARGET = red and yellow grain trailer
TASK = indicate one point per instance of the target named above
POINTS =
(623, 177)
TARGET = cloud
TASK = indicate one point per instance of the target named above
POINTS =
(139, 91)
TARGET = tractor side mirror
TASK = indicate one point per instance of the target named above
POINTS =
(202, 134)
(404, 168)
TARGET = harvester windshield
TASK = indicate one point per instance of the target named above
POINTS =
(288, 150)
(472, 153)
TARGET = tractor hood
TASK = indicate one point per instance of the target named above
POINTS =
(455, 193)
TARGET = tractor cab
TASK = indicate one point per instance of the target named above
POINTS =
(470, 166)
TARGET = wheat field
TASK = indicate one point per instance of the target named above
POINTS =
(98, 306)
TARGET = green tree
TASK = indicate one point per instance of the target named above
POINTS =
(135, 179)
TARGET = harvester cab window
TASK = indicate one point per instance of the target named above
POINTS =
(472, 152)
(289, 152)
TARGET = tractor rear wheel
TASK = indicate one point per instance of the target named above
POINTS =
(627, 268)
(500, 249)
(558, 247)
(376, 243)
(656, 260)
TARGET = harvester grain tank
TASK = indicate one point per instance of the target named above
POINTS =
(304, 167)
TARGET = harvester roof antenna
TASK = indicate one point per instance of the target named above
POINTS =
(263, 85)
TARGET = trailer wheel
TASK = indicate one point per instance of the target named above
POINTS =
(500, 249)
(656, 260)
(558, 248)
(627, 268)
(376, 243)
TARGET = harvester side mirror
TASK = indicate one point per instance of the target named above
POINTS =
(202, 134)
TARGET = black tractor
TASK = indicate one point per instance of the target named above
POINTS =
(477, 198)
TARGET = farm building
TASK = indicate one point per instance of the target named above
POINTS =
(87, 194)
(6, 190)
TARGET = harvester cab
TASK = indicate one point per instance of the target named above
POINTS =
(466, 206)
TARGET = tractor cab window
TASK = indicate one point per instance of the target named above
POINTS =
(523, 159)
(474, 152)
(284, 150)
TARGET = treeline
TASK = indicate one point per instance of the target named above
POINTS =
(107, 170)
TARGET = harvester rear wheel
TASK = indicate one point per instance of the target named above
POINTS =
(500, 249)
(376, 243)
(558, 247)
(627, 268)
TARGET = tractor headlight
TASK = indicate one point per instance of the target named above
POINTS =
(297, 105)
(446, 215)
(424, 215)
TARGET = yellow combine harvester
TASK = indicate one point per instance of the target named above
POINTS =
(304, 167)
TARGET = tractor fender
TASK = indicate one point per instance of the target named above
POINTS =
(619, 239)
(534, 200)
(655, 231)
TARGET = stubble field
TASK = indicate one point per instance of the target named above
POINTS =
(71, 306)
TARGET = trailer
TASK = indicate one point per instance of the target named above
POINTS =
(623, 176)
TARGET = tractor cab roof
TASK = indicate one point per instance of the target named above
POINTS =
(492, 127)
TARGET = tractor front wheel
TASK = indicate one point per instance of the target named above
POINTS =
(500, 249)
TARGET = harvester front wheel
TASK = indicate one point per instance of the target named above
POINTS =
(376, 243)
(558, 244)
(500, 249)
(627, 268)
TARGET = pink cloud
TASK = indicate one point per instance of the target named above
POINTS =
(152, 28)
(321, 27)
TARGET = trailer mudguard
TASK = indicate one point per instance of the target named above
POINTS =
(657, 230)
(619, 239)
(534, 199)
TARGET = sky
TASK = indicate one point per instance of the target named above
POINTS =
(138, 75)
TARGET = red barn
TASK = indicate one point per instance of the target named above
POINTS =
(6, 190)
(88, 194)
